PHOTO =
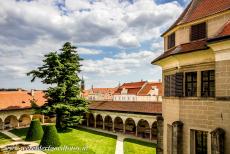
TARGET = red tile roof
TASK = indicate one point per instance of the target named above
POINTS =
(198, 9)
(132, 87)
(20, 99)
(104, 90)
(225, 30)
(134, 107)
(184, 48)
(146, 89)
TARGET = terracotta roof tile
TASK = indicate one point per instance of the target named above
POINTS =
(225, 30)
(20, 99)
(198, 9)
(146, 89)
(132, 87)
(104, 90)
(184, 48)
(136, 107)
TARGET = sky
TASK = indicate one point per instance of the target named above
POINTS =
(117, 39)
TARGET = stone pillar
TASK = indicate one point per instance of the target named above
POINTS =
(217, 141)
(136, 131)
(177, 137)
(43, 119)
(95, 123)
(150, 134)
(124, 128)
(160, 130)
(3, 125)
(103, 123)
(87, 122)
(31, 117)
(113, 127)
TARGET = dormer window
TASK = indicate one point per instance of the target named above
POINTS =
(171, 40)
(198, 31)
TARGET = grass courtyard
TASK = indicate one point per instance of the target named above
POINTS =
(132, 146)
(4, 139)
(96, 143)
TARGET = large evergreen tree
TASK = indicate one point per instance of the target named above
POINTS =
(60, 71)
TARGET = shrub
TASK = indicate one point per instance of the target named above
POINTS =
(35, 131)
(50, 137)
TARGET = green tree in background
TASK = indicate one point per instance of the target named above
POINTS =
(60, 71)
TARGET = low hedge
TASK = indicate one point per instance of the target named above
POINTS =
(50, 137)
(35, 131)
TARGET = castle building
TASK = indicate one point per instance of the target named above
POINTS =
(16, 108)
(99, 94)
(139, 91)
(196, 80)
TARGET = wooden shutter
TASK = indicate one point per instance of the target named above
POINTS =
(171, 40)
(198, 31)
(179, 84)
(173, 85)
(167, 85)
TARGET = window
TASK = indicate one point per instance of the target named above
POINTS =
(171, 40)
(208, 83)
(167, 85)
(201, 139)
(191, 84)
(173, 85)
(198, 31)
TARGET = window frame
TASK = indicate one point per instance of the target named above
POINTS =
(204, 145)
(171, 40)
(192, 82)
(198, 31)
(209, 81)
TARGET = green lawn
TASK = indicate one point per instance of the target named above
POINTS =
(96, 143)
(20, 132)
(132, 146)
(4, 139)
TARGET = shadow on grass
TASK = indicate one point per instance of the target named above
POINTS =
(140, 142)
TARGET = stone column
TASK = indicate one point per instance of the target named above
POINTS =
(136, 131)
(177, 137)
(95, 123)
(150, 133)
(160, 130)
(3, 125)
(217, 141)
(43, 119)
(113, 127)
(103, 123)
(124, 128)
(87, 121)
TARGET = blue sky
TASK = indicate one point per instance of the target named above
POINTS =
(117, 39)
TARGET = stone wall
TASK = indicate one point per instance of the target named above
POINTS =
(223, 79)
(199, 114)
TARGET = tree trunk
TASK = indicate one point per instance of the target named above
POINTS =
(58, 122)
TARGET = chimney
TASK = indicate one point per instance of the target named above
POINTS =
(32, 92)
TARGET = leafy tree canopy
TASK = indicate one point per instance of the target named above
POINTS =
(60, 71)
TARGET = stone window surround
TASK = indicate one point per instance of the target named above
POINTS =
(198, 84)
(191, 139)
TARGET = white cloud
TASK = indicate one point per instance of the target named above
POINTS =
(31, 29)
(121, 64)
(86, 51)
